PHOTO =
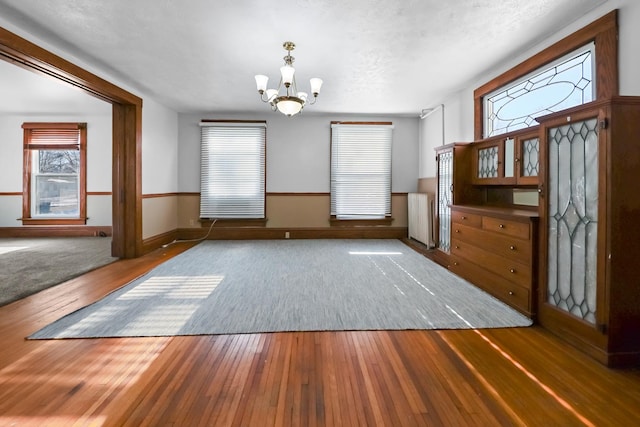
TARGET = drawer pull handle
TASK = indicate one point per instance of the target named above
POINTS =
(510, 292)
(513, 248)
(455, 263)
(457, 247)
(513, 270)
(464, 217)
(457, 231)
(501, 226)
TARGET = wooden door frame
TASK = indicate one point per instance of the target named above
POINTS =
(127, 134)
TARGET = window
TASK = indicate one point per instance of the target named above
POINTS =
(232, 174)
(361, 170)
(54, 187)
(586, 61)
(562, 84)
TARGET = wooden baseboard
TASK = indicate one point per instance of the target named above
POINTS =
(56, 231)
(434, 254)
(261, 233)
(155, 242)
(247, 233)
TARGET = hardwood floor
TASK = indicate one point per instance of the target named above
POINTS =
(522, 376)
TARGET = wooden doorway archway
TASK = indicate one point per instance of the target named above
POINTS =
(127, 134)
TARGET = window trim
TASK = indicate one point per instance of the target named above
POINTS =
(603, 32)
(333, 219)
(26, 177)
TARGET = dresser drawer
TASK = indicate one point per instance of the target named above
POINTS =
(472, 220)
(520, 230)
(516, 296)
(503, 245)
(509, 269)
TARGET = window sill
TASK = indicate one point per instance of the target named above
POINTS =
(335, 222)
(54, 221)
(235, 222)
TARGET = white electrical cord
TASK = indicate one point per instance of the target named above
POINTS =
(193, 240)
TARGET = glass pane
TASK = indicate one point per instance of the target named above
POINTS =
(55, 190)
(488, 162)
(560, 85)
(445, 180)
(530, 162)
(55, 195)
(57, 161)
(572, 210)
(509, 155)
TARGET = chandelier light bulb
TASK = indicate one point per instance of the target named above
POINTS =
(287, 73)
(316, 84)
(271, 94)
(261, 83)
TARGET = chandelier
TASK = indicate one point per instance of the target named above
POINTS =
(291, 102)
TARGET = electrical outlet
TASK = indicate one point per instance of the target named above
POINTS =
(286, 234)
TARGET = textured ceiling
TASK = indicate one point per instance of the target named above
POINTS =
(375, 56)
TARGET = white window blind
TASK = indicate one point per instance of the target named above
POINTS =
(361, 171)
(232, 174)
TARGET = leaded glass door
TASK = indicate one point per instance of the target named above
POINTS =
(527, 160)
(571, 218)
(445, 184)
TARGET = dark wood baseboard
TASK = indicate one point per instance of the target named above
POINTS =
(434, 254)
(155, 242)
(227, 232)
(242, 233)
(56, 231)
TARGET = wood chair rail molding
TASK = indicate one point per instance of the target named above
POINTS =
(127, 134)
(603, 31)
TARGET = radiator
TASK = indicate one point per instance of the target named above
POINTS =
(420, 212)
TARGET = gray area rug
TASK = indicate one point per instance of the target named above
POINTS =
(29, 265)
(232, 287)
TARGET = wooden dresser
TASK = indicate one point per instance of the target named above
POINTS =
(496, 249)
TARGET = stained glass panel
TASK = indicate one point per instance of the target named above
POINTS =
(488, 162)
(530, 158)
(445, 181)
(573, 218)
(565, 83)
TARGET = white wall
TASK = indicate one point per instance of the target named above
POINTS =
(459, 118)
(159, 148)
(159, 169)
(298, 151)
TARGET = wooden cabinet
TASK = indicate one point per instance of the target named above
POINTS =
(453, 163)
(511, 159)
(494, 248)
(590, 228)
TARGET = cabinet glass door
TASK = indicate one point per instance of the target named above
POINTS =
(488, 162)
(572, 217)
(529, 158)
(445, 181)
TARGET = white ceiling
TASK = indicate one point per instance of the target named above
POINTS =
(392, 57)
